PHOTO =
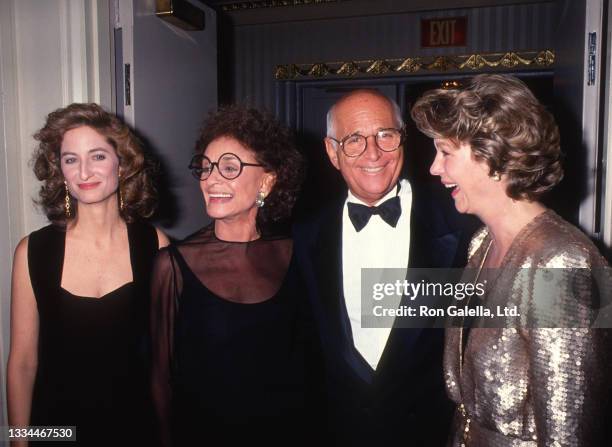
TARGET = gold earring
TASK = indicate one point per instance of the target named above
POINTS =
(260, 199)
(119, 191)
(67, 201)
(496, 176)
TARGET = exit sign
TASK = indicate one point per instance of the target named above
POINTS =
(444, 32)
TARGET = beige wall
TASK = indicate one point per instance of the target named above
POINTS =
(52, 53)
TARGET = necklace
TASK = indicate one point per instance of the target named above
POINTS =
(462, 409)
(482, 262)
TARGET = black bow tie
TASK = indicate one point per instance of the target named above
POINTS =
(389, 211)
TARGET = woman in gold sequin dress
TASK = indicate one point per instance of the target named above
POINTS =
(498, 153)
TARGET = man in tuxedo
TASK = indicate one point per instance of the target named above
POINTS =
(385, 385)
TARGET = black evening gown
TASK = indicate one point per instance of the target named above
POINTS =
(93, 371)
(244, 364)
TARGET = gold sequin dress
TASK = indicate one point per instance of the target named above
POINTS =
(518, 386)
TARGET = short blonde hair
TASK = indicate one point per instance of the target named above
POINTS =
(505, 125)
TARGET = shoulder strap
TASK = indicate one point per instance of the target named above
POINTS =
(45, 260)
(143, 248)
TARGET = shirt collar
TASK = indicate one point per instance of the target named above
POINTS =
(392, 193)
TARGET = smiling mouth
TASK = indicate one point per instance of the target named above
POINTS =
(88, 185)
(219, 196)
(372, 170)
(453, 187)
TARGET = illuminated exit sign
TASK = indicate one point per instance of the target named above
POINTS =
(444, 32)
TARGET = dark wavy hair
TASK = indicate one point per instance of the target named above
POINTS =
(136, 186)
(505, 125)
(273, 146)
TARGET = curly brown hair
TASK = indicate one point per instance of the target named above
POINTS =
(505, 125)
(136, 186)
(273, 146)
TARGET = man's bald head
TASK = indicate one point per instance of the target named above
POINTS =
(331, 118)
(374, 172)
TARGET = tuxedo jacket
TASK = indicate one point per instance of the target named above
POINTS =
(404, 399)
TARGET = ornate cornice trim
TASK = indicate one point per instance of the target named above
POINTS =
(242, 6)
(410, 65)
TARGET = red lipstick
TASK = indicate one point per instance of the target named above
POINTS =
(88, 185)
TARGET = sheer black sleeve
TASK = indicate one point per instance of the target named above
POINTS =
(251, 341)
(166, 284)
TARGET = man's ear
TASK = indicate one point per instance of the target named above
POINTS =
(332, 152)
(267, 183)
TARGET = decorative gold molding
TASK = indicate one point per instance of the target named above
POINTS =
(531, 59)
(242, 6)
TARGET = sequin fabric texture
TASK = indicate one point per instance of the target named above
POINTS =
(522, 386)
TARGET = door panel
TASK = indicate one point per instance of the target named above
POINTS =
(578, 110)
(172, 86)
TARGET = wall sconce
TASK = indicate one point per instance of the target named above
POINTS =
(181, 13)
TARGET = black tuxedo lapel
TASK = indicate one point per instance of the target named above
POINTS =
(330, 278)
(328, 266)
(432, 243)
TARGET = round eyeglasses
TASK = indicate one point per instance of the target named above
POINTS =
(228, 165)
(387, 140)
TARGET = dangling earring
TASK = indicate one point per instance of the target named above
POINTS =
(67, 201)
(260, 199)
(121, 205)
(496, 176)
(119, 191)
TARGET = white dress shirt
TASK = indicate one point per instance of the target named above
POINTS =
(377, 245)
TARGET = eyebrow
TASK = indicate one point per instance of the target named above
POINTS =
(379, 129)
(95, 149)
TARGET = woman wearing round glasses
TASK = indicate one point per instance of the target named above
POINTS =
(231, 343)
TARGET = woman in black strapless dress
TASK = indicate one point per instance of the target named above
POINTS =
(235, 356)
(80, 301)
